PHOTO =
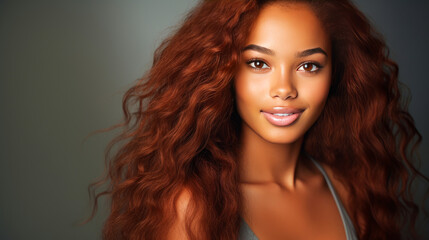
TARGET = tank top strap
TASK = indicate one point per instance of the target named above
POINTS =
(348, 224)
(246, 232)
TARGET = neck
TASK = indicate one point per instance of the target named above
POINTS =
(263, 162)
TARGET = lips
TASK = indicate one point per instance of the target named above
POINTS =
(284, 110)
(282, 116)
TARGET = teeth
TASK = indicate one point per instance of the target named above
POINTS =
(282, 114)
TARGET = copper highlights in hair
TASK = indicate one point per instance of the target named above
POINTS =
(182, 128)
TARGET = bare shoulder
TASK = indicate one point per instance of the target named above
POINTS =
(184, 205)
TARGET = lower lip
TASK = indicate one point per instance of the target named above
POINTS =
(281, 121)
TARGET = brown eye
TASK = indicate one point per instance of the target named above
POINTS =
(310, 67)
(257, 64)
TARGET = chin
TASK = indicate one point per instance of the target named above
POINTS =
(282, 138)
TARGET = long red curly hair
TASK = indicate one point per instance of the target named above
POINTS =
(181, 128)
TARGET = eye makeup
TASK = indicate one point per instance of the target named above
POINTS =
(260, 62)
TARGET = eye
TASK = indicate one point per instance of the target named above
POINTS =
(310, 67)
(257, 64)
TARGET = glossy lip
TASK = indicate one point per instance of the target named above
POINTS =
(282, 121)
(283, 110)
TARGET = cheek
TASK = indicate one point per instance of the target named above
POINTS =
(316, 92)
(249, 91)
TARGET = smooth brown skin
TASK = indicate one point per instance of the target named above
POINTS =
(283, 198)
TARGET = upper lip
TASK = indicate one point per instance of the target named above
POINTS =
(282, 110)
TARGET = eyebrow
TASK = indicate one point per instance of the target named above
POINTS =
(268, 51)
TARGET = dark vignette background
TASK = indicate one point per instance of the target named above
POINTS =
(64, 66)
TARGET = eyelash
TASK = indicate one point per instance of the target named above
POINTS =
(260, 69)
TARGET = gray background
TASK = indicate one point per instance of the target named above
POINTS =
(64, 66)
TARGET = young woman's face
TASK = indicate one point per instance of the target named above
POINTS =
(285, 74)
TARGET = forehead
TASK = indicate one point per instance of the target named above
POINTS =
(288, 29)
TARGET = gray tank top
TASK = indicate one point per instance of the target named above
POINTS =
(247, 234)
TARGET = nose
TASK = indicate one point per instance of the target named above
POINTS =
(282, 85)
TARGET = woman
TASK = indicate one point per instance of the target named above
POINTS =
(265, 120)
